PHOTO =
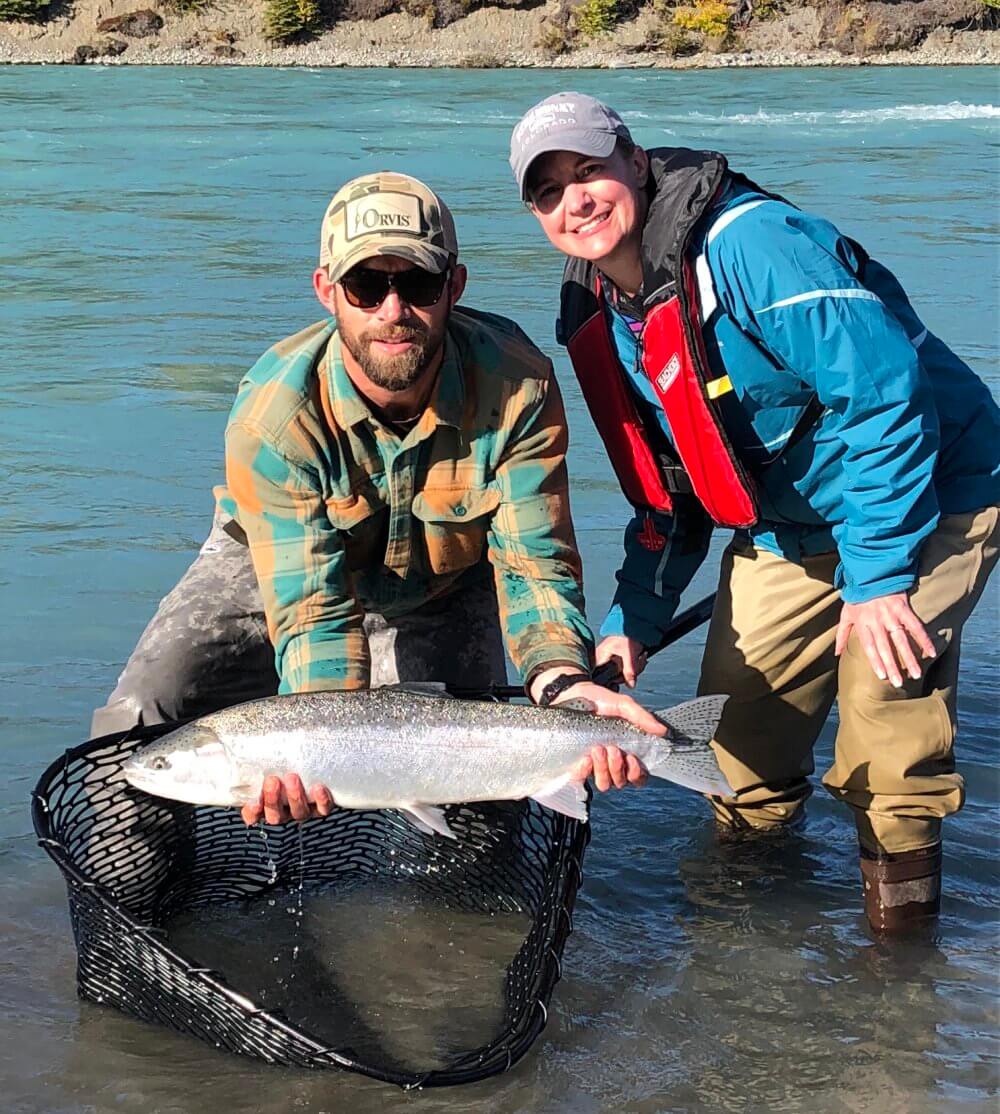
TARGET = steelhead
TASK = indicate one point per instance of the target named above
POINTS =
(413, 748)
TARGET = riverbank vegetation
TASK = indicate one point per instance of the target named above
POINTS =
(518, 32)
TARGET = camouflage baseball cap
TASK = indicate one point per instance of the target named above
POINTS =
(386, 214)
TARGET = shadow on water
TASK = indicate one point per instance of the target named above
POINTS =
(378, 971)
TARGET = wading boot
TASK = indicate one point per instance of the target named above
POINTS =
(902, 891)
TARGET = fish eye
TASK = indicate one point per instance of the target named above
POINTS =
(160, 763)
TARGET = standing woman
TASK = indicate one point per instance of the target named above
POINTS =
(748, 366)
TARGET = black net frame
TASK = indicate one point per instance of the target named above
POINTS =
(132, 861)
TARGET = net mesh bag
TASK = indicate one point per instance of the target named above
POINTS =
(172, 905)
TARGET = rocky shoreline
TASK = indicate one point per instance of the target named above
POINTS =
(229, 33)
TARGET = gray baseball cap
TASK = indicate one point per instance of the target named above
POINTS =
(564, 122)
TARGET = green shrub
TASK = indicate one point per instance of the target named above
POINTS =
(596, 17)
(710, 17)
(285, 20)
(992, 3)
(23, 9)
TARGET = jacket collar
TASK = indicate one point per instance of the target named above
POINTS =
(685, 183)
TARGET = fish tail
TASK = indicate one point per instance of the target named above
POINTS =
(687, 757)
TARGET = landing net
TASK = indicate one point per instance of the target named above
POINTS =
(146, 875)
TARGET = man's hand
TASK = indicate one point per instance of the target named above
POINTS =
(608, 765)
(632, 655)
(885, 627)
(284, 799)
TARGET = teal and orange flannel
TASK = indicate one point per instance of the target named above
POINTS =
(343, 515)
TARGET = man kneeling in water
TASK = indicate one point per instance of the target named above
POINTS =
(393, 474)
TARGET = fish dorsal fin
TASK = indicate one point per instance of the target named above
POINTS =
(427, 819)
(565, 796)
(420, 688)
(695, 722)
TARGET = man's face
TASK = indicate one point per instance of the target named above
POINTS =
(589, 207)
(393, 342)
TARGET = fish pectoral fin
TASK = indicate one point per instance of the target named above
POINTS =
(427, 819)
(565, 796)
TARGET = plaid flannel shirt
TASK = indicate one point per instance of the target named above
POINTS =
(344, 516)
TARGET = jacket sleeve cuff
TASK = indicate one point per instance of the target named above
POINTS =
(644, 629)
(325, 666)
(863, 593)
(572, 655)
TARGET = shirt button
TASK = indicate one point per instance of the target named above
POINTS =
(460, 510)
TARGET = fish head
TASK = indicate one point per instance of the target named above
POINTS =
(190, 764)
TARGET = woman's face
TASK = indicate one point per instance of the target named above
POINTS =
(590, 208)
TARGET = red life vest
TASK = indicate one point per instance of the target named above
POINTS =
(673, 356)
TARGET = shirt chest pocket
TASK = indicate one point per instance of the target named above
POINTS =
(454, 526)
(362, 521)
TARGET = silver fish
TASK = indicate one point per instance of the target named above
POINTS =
(413, 748)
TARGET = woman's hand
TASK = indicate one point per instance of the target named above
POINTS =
(630, 653)
(885, 627)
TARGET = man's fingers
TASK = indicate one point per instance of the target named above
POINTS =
(602, 776)
(636, 714)
(611, 766)
(635, 771)
(616, 767)
(298, 803)
(274, 800)
(323, 800)
(252, 812)
(583, 769)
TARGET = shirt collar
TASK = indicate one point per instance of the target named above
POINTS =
(445, 406)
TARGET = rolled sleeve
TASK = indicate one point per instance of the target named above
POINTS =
(532, 546)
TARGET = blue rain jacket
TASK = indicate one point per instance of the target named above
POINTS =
(908, 433)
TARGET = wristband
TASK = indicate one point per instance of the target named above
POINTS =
(559, 685)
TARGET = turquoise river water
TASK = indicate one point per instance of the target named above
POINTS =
(159, 229)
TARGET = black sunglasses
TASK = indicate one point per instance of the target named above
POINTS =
(365, 288)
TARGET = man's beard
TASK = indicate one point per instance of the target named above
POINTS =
(395, 373)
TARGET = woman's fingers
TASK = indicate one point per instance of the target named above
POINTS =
(918, 632)
(887, 629)
(904, 651)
